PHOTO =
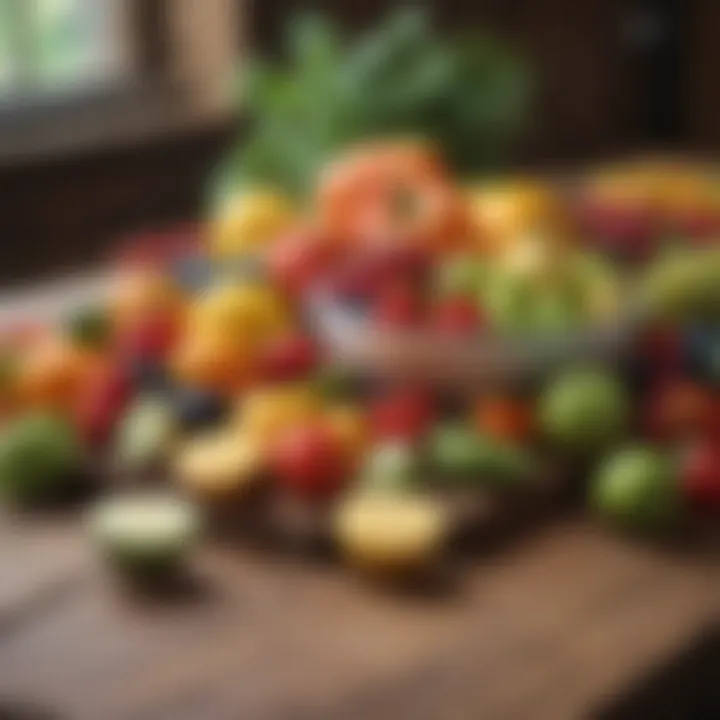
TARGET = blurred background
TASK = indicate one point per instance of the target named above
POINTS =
(113, 113)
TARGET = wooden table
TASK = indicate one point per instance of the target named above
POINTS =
(549, 626)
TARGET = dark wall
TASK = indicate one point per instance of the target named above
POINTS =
(65, 212)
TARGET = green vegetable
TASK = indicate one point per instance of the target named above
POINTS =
(637, 488)
(584, 410)
(39, 458)
(458, 453)
(390, 467)
(89, 326)
(469, 94)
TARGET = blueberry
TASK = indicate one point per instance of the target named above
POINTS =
(149, 376)
(199, 408)
(701, 352)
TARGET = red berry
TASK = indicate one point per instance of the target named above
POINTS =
(456, 316)
(288, 357)
(309, 460)
(149, 338)
(661, 350)
(404, 415)
(298, 260)
(679, 408)
(102, 399)
(397, 306)
(366, 274)
(701, 479)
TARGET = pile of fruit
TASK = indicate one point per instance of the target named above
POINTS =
(202, 371)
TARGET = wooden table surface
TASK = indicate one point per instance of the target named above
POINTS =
(548, 626)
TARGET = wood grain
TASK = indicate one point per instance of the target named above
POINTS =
(264, 638)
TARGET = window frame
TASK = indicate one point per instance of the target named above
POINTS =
(151, 96)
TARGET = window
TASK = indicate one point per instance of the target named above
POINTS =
(51, 47)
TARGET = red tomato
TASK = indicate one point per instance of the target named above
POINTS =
(149, 338)
(397, 306)
(401, 415)
(288, 357)
(309, 460)
(299, 259)
(366, 273)
(101, 401)
(700, 478)
(456, 316)
(680, 408)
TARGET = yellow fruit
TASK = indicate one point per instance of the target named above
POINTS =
(218, 465)
(348, 424)
(265, 413)
(248, 222)
(247, 312)
(212, 361)
(506, 212)
(392, 534)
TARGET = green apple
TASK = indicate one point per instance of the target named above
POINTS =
(40, 456)
(637, 488)
(145, 535)
(584, 410)
(508, 302)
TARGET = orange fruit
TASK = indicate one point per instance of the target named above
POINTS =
(52, 372)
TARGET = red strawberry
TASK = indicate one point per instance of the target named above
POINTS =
(402, 415)
(456, 316)
(700, 478)
(309, 460)
(288, 357)
(102, 399)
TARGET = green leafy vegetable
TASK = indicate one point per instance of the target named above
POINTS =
(469, 94)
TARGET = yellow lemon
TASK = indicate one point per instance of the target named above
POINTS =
(247, 312)
(218, 464)
(391, 534)
(249, 221)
